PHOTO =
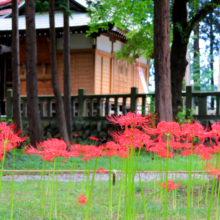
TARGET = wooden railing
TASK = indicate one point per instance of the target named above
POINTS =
(84, 105)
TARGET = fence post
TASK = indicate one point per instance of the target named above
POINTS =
(188, 99)
(134, 91)
(9, 103)
(82, 101)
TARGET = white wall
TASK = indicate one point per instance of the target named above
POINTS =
(142, 60)
(117, 46)
(104, 44)
(77, 41)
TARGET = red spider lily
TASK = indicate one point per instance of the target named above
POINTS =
(161, 151)
(101, 170)
(205, 152)
(76, 135)
(50, 149)
(131, 137)
(211, 170)
(170, 185)
(112, 149)
(190, 131)
(82, 199)
(131, 119)
(165, 128)
(93, 138)
(88, 151)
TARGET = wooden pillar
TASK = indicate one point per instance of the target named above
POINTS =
(113, 40)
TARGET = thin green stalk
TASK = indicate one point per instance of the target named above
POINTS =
(166, 190)
(90, 193)
(120, 192)
(56, 188)
(47, 189)
(43, 192)
(189, 183)
(207, 192)
(110, 187)
(211, 199)
(3, 161)
(70, 181)
(12, 192)
(87, 179)
(126, 183)
(217, 200)
(52, 189)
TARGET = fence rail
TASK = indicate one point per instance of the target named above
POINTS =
(85, 105)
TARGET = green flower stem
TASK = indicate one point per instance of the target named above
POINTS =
(120, 190)
(207, 192)
(70, 180)
(56, 187)
(217, 200)
(110, 187)
(12, 192)
(189, 182)
(3, 161)
(211, 199)
(52, 189)
(47, 189)
(90, 193)
(43, 192)
(87, 179)
(166, 190)
(126, 183)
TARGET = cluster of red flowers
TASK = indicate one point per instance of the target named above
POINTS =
(9, 138)
(170, 185)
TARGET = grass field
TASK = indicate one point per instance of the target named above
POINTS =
(146, 162)
(27, 204)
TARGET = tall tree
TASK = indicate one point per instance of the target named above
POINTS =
(66, 71)
(15, 66)
(162, 59)
(35, 128)
(54, 79)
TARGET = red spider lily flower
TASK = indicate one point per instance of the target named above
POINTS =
(205, 152)
(131, 119)
(170, 185)
(190, 131)
(165, 128)
(82, 199)
(101, 170)
(211, 170)
(131, 137)
(112, 149)
(50, 149)
(76, 135)
(93, 138)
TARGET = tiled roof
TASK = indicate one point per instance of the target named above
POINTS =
(42, 21)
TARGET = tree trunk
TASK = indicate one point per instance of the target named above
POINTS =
(15, 67)
(162, 60)
(54, 79)
(35, 128)
(196, 59)
(178, 54)
(66, 72)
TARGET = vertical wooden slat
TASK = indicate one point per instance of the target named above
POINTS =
(124, 106)
(134, 91)
(218, 105)
(9, 104)
(202, 101)
(73, 107)
(49, 107)
(24, 102)
(143, 105)
(116, 106)
(82, 102)
(188, 100)
(107, 107)
(91, 107)
(98, 107)
(41, 107)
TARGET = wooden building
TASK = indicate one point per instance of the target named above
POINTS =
(93, 62)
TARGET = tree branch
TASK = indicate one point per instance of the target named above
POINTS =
(207, 8)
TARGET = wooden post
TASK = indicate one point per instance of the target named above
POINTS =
(107, 107)
(82, 101)
(188, 100)
(202, 105)
(134, 91)
(9, 103)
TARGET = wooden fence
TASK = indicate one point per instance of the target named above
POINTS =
(98, 106)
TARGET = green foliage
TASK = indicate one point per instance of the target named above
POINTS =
(135, 15)
(152, 104)
(181, 115)
(41, 6)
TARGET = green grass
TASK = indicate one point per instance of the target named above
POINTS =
(26, 208)
(146, 162)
